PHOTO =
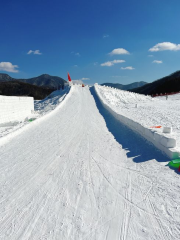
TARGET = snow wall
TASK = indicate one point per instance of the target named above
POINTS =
(15, 109)
(164, 142)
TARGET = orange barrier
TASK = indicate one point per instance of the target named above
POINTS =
(164, 94)
(156, 127)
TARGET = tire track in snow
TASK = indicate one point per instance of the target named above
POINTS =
(130, 202)
(78, 197)
(112, 217)
(127, 210)
(90, 175)
(92, 185)
(81, 140)
(165, 234)
(149, 218)
(54, 192)
(155, 221)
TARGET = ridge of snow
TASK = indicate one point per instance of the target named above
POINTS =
(42, 110)
(140, 113)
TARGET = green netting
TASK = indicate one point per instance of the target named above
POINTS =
(31, 119)
(176, 160)
(174, 165)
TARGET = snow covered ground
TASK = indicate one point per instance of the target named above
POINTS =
(78, 174)
(41, 107)
(149, 111)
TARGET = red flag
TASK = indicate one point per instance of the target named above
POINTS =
(69, 78)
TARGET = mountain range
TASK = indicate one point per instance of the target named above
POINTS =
(16, 88)
(41, 86)
(168, 84)
(44, 80)
(125, 87)
(37, 87)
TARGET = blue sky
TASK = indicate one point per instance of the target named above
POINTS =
(89, 38)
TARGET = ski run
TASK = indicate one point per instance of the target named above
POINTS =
(77, 173)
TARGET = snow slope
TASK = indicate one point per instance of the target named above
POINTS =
(149, 111)
(67, 177)
(41, 108)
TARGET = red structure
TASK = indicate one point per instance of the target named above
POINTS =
(69, 78)
(163, 94)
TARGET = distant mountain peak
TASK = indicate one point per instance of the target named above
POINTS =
(4, 76)
(44, 80)
(127, 86)
(167, 84)
(175, 74)
(45, 75)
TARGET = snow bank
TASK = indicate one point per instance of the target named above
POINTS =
(113, 99)
(42, 107)
(14, 109)
(42, 110)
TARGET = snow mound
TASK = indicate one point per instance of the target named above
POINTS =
(41, 108)
(116, 96)
(50, 102)
(142, 113)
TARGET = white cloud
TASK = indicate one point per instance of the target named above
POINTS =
(77, 81)
(118, 76)
(76, 53)
(75, 65)
(36, 52)
(8, 67)
(165, 46)
(118, 61)
(157, 61)
(119, 51)
(127, 68)
(30, 51)
(107, 64)
(150, 56)
(111, 63)
(80, 80)
(105, 36)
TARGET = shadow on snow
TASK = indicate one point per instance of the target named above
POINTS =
(138, 148)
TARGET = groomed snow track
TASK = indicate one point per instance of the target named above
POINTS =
(66, 177)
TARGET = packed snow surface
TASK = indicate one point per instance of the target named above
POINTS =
(67, 177)
(149, 111)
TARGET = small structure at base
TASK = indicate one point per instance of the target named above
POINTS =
(15, 109)
(175, 163)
